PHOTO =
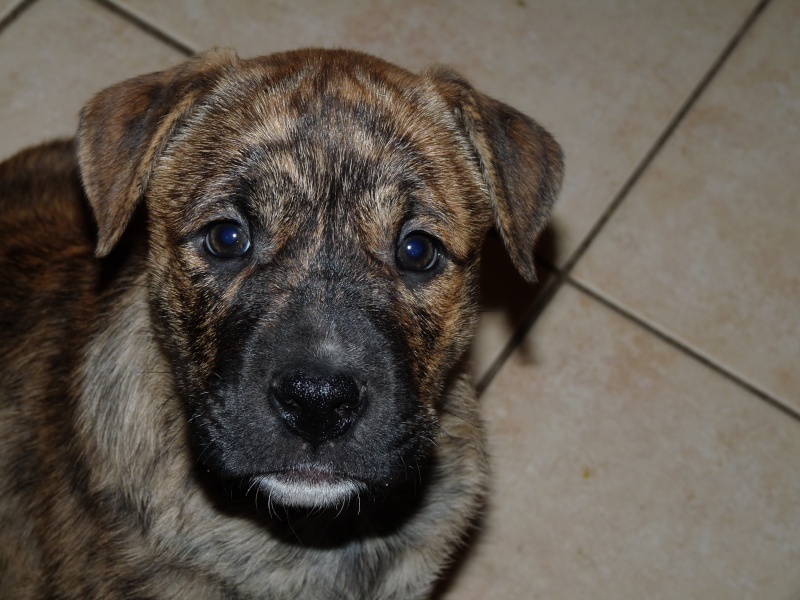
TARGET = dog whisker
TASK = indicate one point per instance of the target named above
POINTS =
(461, 417)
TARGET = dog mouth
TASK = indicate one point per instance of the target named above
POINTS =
(308, 487)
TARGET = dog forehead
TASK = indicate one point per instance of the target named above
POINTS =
(336, 131)
(271, 90)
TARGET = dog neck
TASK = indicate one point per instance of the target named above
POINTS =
(128, 387)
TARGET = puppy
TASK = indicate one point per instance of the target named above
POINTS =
(233, 319)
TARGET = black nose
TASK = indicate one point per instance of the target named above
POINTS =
(317, 408)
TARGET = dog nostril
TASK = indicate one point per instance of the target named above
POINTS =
(318, 408)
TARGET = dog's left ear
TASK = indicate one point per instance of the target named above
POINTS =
(123, 130)
(522, 165)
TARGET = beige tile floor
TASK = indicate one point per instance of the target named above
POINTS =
(644, 399)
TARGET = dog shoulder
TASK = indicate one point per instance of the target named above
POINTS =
(46, 247)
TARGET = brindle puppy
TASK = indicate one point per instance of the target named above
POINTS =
(233, 315)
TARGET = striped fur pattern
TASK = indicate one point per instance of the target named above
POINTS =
(288, 419)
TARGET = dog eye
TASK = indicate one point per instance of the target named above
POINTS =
(227, 240)
(417, 252)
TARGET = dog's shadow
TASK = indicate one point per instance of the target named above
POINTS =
(508, 303)
(504, 291)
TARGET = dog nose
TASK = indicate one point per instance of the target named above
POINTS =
(318, 408)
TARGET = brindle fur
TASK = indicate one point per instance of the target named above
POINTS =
(134, 367)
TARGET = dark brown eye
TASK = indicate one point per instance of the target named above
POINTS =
(417, 252)
(227, 240)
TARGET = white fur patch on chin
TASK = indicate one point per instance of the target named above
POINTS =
(300, 491)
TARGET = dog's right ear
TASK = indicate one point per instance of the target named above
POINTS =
(123, 130)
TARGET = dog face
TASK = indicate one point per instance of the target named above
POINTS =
(314, 220)
(316, 285)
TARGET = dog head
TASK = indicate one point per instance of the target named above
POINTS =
(314, 221)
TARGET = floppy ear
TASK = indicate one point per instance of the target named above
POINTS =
(124, 128)
(521, 163)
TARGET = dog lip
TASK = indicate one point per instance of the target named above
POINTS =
(309, 487)
(310, 475)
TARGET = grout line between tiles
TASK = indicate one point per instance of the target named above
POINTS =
(563, 274)
(14, 13)
(537, 307)
(662, 139)
(126, 13)
(682, 347)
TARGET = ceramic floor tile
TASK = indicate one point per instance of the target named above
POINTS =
(55, 56)
(604, 77)
(626, 470)
(707, 245)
